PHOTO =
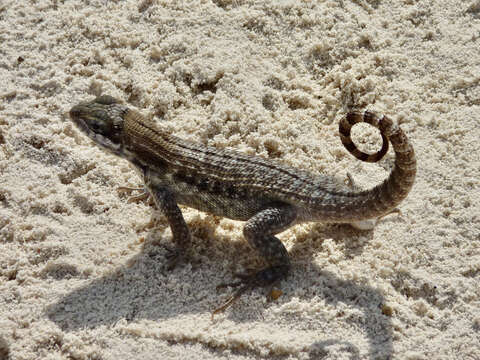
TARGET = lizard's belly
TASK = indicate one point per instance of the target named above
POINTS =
(221, 205)
(214, 197)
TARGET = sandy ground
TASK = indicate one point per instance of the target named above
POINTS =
(81, 273)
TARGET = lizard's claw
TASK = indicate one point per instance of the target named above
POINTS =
(174, 256)
(232, 298)
(143, 196)
(369, 224)
(264, 278)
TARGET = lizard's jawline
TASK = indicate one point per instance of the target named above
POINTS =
(105, 142)
(100, 140)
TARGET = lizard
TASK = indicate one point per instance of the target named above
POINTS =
(269, 196)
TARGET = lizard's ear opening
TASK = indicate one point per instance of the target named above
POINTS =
(106, 100)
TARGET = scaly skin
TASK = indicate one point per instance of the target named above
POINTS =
(269, 196)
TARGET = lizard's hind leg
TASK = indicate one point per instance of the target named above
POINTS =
(259, 232)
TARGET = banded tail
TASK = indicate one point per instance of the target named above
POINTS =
(386, 196)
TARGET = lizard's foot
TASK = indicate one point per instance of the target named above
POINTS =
(143, 196)
(371, 223)
(174, 257)
(264, 278)
(368, 224)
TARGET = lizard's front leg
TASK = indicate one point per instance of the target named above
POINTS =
(164, 199)
(259, 232)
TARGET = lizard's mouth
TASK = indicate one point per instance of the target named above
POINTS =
(78, 115)
(80, 119)
(79, 122)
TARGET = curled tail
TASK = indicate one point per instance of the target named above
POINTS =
(386, 196)
(346, 125)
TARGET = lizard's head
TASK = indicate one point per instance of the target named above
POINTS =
(102, 121)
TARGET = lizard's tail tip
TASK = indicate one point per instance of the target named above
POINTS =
(355, 117)
(396, 187)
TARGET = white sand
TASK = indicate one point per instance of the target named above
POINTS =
(81, 269)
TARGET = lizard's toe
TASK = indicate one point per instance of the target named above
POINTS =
(143, 196)
(264, 278)
(174, 257)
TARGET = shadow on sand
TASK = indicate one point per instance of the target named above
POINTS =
(141, 290)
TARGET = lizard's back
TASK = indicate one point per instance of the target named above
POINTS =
(222, 182)
(235, 185)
